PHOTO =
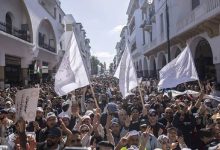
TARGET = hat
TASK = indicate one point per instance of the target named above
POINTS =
(65, 115)
(163, 139)
(40, 109)
(85, 117)
(143, 122)
(152, 111)
(115, 121)
(112, 107)
(50, 114)
(8, 102)
(56, 131)
(133, 133)
(89, 112)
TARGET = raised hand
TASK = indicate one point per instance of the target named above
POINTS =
(36, 126)
(144, 111)
(173, 146)
(108, 122)
(127, 121)
(144, 138)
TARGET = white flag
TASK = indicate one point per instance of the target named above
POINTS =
(179, 70)
(126, 74)
(26, 103)
(71, 74)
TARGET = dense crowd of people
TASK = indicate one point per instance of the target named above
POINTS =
(75, 120)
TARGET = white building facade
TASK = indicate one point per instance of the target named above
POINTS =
(30, 33)
(191, 22)
(120, 46)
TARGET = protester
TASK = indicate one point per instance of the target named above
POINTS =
(165, 121)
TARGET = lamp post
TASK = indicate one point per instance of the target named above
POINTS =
(168, 27)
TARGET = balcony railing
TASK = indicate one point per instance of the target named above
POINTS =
(47, 47)
(152, 14)
(204, 9)
(21, 34)
(212, 4)
(146, 25)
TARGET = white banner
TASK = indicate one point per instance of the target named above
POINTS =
(179, 70)
(26, 103)
(71, 74)
(126, 74)
(194, 94)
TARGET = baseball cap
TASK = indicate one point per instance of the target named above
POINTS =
(143, 122)
(85, 117)
(133, 133)
(55, 131)
(152, 112)
(8, 102)
(115, 121)
(112, 107)
(89, 112)
(65, 115)
(50, 114)
(40, 109)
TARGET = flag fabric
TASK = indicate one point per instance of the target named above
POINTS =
(37, 69)
(179, 70)
(194, 94)
(71, 74)
(26, 103)
(126, 74)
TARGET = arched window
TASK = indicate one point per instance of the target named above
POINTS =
(8, 21)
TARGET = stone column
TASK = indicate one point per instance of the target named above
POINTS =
(2, 77)
(24, 76)
(217, 68)
(2, 69)
(24, 71)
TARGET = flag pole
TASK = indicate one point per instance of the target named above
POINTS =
(93, 93)
(142, 100)
(200, 85)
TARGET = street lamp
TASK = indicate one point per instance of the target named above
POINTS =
(168, 27)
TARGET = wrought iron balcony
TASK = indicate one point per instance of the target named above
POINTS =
(47, 47)
(146, 25)
(152, 14)
(19, 33)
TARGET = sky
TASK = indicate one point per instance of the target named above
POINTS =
(102, 21)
